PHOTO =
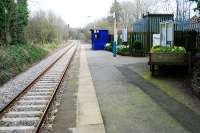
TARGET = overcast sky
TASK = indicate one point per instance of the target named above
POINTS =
(74, 12)
(78, 13)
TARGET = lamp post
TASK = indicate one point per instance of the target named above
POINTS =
(91, 18)
(114, 49)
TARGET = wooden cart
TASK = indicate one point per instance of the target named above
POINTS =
(166, 59)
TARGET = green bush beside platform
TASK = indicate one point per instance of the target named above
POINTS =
(17, 58)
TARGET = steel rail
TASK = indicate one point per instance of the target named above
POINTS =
(15, 99)
(38, 128)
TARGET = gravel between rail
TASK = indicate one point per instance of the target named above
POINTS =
(13, 87)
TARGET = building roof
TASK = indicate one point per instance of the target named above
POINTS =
(99, 29)
(157, 15)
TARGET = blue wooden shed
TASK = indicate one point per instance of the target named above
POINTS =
(99, 38)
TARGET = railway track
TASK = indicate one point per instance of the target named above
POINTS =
(27, 112)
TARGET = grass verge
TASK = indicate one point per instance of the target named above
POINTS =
(15, 59)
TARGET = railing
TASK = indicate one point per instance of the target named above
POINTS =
(154, 26)
(187, 26)
(150, 24)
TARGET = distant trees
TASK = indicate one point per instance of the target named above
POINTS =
(126, 13)
(17, 27)
(116, 8)
(198, 4)
(13, 20)
(139, 8)
(21, 16)
(45, 27)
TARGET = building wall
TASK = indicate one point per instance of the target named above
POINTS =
(144, 28)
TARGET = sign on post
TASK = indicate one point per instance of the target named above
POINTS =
(124, 34)
(156, 39)
(167, 33)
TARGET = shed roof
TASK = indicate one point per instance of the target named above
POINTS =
(157, 15)
(99, 29)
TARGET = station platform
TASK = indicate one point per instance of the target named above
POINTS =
(118, 95)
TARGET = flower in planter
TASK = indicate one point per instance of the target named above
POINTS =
(166, 49)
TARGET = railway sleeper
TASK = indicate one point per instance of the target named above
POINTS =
(17, 129)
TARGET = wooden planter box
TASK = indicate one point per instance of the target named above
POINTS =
(168, 58)
(161, 59)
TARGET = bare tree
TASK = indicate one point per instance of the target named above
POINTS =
(133, 10)
(143, 6)
(139, 8)
(46, 27)
(128, 13)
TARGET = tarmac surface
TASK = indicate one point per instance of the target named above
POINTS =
(131, 104)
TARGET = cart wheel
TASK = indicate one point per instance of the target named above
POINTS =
(152, 69)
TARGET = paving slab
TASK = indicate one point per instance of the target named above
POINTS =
(89, 119)
(97, 128)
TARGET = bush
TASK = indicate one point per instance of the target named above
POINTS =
(123, 50)
(137, 45)
(17, 58)
(136, 49)
(166, 49)
(108, 47)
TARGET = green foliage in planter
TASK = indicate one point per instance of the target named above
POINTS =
(166, 49)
